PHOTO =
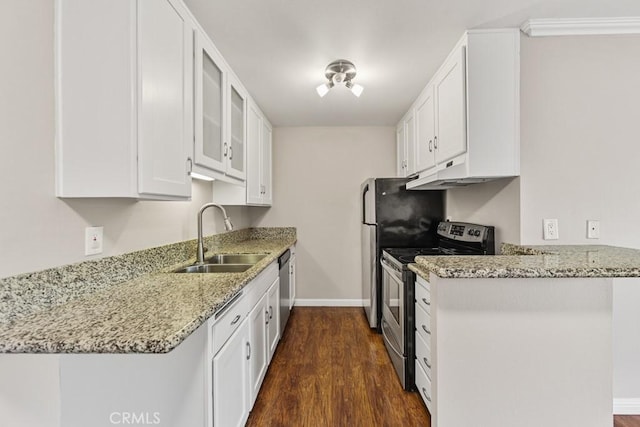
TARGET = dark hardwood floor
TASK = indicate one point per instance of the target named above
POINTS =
(330, 369)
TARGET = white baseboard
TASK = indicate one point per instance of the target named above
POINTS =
(329, 302)
(626, 406)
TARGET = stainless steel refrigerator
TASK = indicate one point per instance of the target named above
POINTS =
(393, 217)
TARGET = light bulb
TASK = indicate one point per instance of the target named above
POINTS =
(356, 89)
(323, 89)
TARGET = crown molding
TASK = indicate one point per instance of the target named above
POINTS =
(581, 26)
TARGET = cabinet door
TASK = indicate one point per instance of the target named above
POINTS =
(265, 165)
(254, 155)
(165, 49)
(425, 131)
(401, 151)
(258, 340)
(237, 129)
(410, 143)
(230, 380)
(451, 108)
(292, 280)
(210, 148)
(273, 304)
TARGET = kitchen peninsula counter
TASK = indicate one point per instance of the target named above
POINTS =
(132, 303)
(562, 261)
(524, 338)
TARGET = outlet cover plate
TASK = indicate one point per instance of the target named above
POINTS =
(550, 229)
(93, 238)
(593, 229)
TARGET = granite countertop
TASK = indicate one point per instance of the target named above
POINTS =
(516, 261)
(151, 313)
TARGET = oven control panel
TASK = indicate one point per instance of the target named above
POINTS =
(463, 231)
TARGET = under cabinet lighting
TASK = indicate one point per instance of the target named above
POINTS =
(201, 177)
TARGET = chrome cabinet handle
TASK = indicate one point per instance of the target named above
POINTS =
(430, 145)
(235, 319)
(424, 328)
(248, 350)
(230, 153)
(190, 163)
(426, 363)
(426, 396)
(424, 300)
(435, 142)
(225, 150)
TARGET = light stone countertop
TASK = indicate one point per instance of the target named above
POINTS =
(152, 312)
(561, 261)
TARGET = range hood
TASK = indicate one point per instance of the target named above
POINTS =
(456, 174)
(432, 182)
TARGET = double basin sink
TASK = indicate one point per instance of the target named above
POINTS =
(224, 263)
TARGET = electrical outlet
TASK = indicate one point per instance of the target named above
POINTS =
(93, 237)
(593, 229)
(550, 229)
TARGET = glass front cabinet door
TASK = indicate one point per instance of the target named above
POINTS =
(237, 129)
(220, 115)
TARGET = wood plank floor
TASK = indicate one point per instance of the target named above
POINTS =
(330, 369)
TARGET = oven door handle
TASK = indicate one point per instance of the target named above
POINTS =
(386, 338)
(392, 271)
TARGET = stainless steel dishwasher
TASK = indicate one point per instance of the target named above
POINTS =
(283, 262)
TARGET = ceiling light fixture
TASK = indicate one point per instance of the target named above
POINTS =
(338, 72)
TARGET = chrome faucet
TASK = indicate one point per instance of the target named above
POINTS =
(227, 226)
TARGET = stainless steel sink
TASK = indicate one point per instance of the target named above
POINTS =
(215, 268)
(235, 258)
(224, 263)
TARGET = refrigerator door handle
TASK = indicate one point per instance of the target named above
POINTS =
(364, 203)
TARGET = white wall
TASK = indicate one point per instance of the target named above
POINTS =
(495, 203)
(37, 230)
(580, 150)
(317, 172)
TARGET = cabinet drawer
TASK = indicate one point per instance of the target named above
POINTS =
(423, 296)
(423, 384)
(225, 323)
(423, 323)
(423, 354)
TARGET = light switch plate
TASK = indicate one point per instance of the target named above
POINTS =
(93, 238)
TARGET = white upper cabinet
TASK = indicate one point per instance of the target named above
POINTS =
(450, 114)
(401, 150)
(406, 145)
(425, 130)
(467, 118)
(124, 118)
(220, 116)
(209, 106)
(266, 148)
(237, 129)
(258, 191)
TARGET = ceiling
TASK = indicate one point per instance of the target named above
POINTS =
(280, 48)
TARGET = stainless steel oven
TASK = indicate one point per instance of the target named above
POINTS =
(393, 314)
(398, 288)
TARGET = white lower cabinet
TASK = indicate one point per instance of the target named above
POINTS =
(240, 357)
(231, 380)
(423, 336)
(292, 277)
(258, 319)
(273, 326)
